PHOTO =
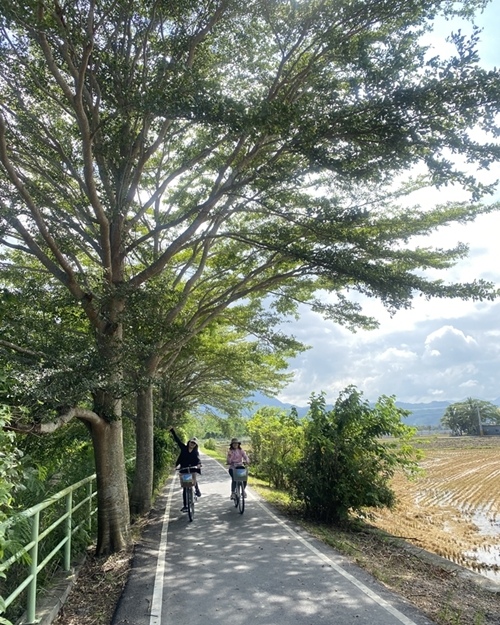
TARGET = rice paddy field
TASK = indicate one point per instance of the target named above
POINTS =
(453, 508)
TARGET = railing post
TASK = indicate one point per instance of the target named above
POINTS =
(69, 527)
(90, 506)
(31, 607)
(29, 583)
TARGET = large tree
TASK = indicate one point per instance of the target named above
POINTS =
(466, 417)
(237, 148)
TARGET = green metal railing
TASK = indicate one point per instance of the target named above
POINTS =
(85, 495)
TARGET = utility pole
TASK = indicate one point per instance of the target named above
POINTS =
(479, 421)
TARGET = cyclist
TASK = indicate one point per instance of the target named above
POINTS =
(189, 456)
(235, 458)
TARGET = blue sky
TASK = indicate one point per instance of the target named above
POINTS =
(438, 350)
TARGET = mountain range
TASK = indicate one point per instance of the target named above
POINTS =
(422, 414)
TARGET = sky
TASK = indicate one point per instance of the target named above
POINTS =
(440, 350)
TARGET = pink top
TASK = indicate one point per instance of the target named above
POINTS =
(236, 457)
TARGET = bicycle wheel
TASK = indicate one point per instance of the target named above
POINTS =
(241, 499)
(190, 500)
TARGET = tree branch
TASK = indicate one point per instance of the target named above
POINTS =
(48, 428)
(20, 350)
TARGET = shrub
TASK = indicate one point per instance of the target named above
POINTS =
(276, 440)
(346, 465)
(11, 477)
(164, 453)
(210, 444)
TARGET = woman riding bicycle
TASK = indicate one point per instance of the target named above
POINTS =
(235, 458)
(189, 456)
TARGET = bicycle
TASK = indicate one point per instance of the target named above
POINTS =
(240, 475)
(187, 483)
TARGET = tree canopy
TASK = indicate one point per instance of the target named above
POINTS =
(466, 417)
(236, 151)
(222, 141)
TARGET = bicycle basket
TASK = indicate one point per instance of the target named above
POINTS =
(186, 480)
(240, 474)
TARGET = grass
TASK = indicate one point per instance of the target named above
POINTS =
(280, 499)
(214, 454)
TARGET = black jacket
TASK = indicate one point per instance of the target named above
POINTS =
(186, 458)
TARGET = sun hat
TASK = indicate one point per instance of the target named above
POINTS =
(193, 440)
(235, 440)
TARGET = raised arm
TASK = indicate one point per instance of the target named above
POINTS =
(176, 438)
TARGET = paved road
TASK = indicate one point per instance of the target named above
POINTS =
(253, 568)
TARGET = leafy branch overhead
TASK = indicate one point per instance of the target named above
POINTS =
(222, 140)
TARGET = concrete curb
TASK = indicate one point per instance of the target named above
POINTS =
(50, 604)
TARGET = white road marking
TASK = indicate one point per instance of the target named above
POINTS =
(157, 600)
(156, 605)
(381, 602)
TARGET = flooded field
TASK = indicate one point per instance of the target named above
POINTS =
(453, 509)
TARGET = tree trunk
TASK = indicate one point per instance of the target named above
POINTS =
(142, 488)
(113, 517)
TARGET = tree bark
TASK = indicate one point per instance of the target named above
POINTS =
(142, 488)
(113, 518)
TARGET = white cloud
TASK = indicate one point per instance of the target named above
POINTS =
(447, 357)
(448, 342)
(397, 356)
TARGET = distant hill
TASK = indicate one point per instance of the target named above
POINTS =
(425, 414)
(422, 414)
(262, 400)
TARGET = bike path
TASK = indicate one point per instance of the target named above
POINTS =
(225, 567)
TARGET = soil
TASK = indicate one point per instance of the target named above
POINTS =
(96, 591)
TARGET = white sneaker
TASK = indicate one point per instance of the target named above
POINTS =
(244, 494)
(233, 496)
